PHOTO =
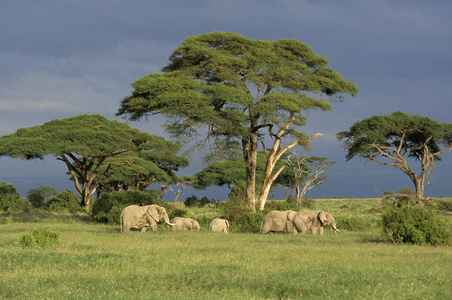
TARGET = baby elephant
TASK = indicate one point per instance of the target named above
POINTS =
(184, 224)
(219, 225)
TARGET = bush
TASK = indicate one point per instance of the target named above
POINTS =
(247, 222)
(108, 207)
(6, 218)
(416, 225)
(66, 201)
(39, 237)
(178, 212)
(194, 201)
(234, 207)
(278, 205)
(354, 224)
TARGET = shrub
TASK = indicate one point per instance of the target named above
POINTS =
(108, 207)
(178, 212)
(194, 201)
(234, 207)
(39, 237)
(41, 195)
(407, 196)
(279, 205)
(247, 222)
(416, 225)
(65, 201)
(6, 218)
(354, 224)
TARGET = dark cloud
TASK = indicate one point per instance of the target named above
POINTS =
(63, 58)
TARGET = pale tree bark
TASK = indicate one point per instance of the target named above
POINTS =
(274, 155)
(313, 177)
(84, 172)
(399, 161)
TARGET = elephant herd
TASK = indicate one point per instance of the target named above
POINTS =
(141, 217)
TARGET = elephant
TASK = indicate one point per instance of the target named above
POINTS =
(219, 225)
(140, 217)
(184, 224)
(312, 220)
(276, 220)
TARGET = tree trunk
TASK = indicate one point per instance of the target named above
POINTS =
(268, 181)
(250, 156)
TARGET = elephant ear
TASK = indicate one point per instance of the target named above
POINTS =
(153, 212)
(322, 216)
(291, 215)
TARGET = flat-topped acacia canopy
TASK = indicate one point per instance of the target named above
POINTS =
(83, 142)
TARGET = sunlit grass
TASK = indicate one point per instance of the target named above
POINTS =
(97, 261)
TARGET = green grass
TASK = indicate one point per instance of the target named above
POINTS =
(97, 261)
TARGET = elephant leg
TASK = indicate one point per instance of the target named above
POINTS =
(154, 226)
(143, 229)
(321, 230)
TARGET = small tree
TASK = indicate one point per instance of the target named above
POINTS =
(41, 195)
(175, 185)
(10, 198)
(394, 139)
(309, 172)
(83, 143)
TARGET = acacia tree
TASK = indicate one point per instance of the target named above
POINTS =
(233, 88)
(394, 139)
(308, 173)
(137, 173)
(143, 169)
(83, 143)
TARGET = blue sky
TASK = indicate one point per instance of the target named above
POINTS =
(64, 58)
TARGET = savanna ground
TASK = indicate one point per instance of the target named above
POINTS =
(97, 261)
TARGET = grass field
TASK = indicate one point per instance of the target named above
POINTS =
(97, 261)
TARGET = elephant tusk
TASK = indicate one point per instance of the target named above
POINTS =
(170, 224)
(335, 228)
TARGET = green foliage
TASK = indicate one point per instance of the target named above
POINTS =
(65, 201)
(41, 195)
(41, 237)
(353, 224)
(178, 212)
(194, 201)
(10, 200)
(108, 207)
(416, 225)
(280, 205)
(6, 218)
(247, 222)
(388, 130)
(83, 142)
(232, 172)
(406, 197)
(233, 88)
(234, 207)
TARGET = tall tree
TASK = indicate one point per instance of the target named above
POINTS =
(143, 169)
(233, 88)
(83, 143)
(394, 139)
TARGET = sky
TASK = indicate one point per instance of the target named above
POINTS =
(64, 58)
